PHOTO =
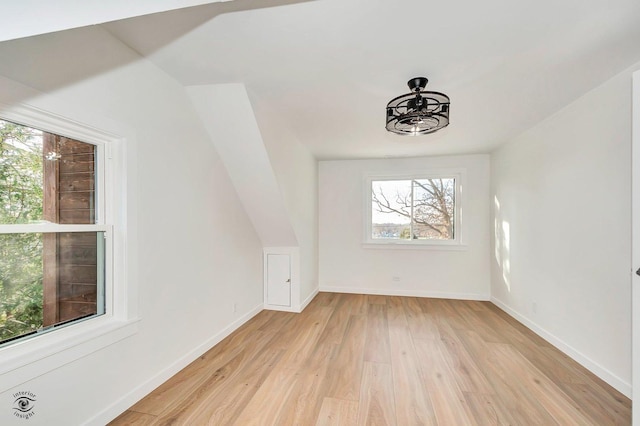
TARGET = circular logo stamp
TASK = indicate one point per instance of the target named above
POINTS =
(24, 404)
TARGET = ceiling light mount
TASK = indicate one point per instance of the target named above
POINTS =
(418, 112)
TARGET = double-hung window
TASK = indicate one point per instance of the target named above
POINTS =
(54, 251)
(419, 209)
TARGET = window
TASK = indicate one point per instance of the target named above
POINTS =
(52, 232)
(92, 232)
(414, 210)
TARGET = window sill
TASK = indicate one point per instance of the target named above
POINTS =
(25, 360)
(387, 245)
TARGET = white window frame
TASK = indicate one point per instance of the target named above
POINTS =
(457, 243)
(28, 358)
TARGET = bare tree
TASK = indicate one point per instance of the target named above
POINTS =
(430, 200)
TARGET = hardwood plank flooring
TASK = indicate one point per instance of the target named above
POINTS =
(376, 405)
(413, 404)
(382, 360)
(336, 412)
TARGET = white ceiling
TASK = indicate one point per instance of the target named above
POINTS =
(328, 67)
(25, 18)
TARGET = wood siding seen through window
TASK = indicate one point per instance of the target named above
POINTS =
(70, 259)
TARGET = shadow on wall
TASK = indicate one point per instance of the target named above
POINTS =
(56, 60)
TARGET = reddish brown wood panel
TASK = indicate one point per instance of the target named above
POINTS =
(76, 188)
(70, 258)
(76, 216)
(69, 147)
(77, 182)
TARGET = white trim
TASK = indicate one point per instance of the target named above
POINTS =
(24, 360)
(54, 350)
(102, 202)
(407, 293)
(51, 227)
(635, 247)
(460, 176)
(576, 355)
(40, 119)
(308, 300)
(401, 245)
(127, 400)
(293, 309)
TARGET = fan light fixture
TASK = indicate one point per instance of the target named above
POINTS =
(419, 112)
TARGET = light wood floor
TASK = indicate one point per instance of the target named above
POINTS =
(378, 360)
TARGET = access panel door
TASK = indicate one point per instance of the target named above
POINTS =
(279, 279)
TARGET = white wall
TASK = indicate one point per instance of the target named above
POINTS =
(273, 173)
(226, 113)
(347, 266)
(197, 252)
(296, 171)
(562, 225)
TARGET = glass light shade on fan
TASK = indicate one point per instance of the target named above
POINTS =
(418, 113)
(431, 115)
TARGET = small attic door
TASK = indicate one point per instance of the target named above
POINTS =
(278, 286)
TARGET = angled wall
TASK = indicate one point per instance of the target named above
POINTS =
(197, 253)
(561, 201)
(274, 174)
(226, 114)
(296, 171)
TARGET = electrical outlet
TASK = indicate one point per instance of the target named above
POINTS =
(534, 307)
(235, 308)
(395, 278)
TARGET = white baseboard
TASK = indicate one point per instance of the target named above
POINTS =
(295, 309)
(615, 381)
(408, 293)
(127, 400)
(308, 300)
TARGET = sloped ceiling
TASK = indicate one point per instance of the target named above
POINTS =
(328, 67)
(25, 18)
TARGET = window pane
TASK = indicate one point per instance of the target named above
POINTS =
(391, 209)
(49, 279)
(20, 284)
(433, 208)
(45, 177)
(20, 174)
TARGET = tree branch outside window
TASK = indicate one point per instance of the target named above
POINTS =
(413, 209)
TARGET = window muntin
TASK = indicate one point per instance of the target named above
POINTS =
(52, 250)
(419, 209)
